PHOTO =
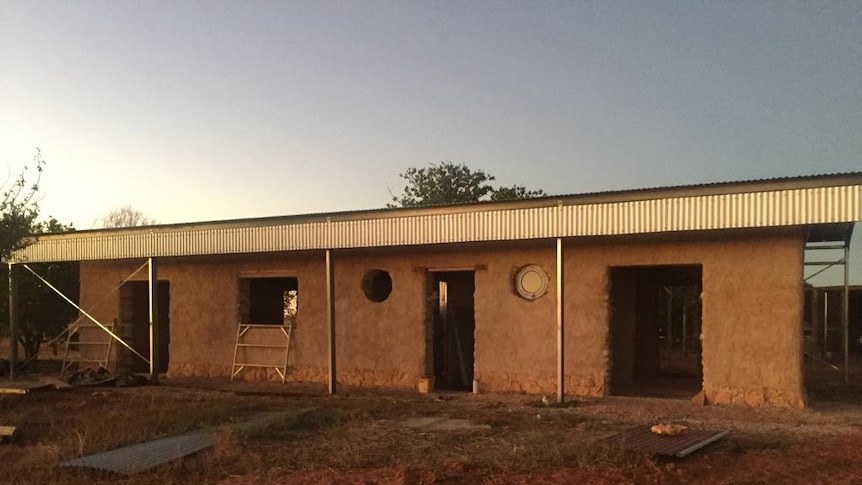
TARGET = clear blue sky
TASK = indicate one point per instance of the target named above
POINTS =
(195, 111)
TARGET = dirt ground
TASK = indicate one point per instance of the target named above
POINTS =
(362, 437)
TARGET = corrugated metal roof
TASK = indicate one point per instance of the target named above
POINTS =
(782, 202)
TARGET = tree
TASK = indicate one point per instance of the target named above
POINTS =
(126, 216)
(42, 314)
(39, 314)
(19, 207)
(516, 192)
(447, 183)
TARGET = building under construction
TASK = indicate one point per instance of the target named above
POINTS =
(695, 290)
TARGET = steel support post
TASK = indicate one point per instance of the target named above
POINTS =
(845, 312)
(155, 338)
(669, 335)
(825, 322)
(330, 312)
(684, 331)
(815, 320)
(561, 371)
(13, 323)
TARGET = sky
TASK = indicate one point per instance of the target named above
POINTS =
(192, 110)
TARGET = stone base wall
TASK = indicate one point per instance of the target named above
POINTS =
(753, 397)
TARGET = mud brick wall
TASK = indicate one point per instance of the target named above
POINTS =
(378, 344)
(752, 309)
(386, 343)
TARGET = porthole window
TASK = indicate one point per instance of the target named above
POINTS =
(531, 282)
(377, 285)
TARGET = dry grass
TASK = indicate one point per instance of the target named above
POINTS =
(364, 430)
(57, 426)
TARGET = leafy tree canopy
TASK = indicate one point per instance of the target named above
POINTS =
(516, 192)
(42, 314)
(448, 183)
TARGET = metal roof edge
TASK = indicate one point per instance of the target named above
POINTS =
(760, 185)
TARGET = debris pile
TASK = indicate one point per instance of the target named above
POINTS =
(103, 377)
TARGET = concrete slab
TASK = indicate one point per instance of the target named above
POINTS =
(55, 383)
(442, 423)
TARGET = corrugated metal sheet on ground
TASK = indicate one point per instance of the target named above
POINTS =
(643, 440)
(144, 456)
(151, 454)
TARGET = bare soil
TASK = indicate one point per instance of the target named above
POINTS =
(359, 437)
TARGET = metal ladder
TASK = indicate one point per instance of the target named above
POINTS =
(70, 360)
(241, 359)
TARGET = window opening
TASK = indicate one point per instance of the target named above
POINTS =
(377, 285)
(268, 301)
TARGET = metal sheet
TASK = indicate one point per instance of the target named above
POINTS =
(145, 456)
(723, 211)
(641, 439)
(561, 217)
(151, 454)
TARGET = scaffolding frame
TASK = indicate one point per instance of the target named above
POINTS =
(109, 329)
(241, 359)
(829, 239)
(69, 360)
(96, 322)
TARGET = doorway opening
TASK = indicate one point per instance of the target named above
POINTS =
(135, 325)
(826, 376)
(655, 326)
(452, 319)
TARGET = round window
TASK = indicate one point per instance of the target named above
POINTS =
(531, 282)
(377, 285)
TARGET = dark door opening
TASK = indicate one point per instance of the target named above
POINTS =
(135, 316)
(451, 306)
(655, 324)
